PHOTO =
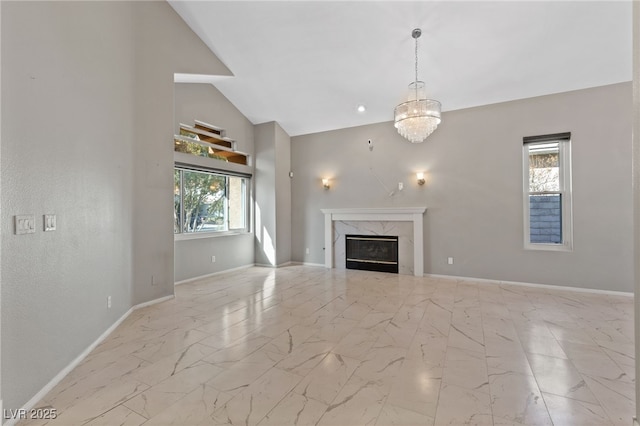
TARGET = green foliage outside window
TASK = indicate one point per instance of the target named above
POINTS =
(203, 201)
(208, 202)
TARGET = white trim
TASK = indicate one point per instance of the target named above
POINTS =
(152, 302)
(376, 210)
(200, 78)
(316, 265)
(73, 364)
(259, 265)
(548, 247)
(213, 274)
(397, 214)
(267, 265)
(524, 284)
(182, 159)
(564, 152)
(186, 236)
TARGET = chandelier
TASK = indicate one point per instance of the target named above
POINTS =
(418, 117)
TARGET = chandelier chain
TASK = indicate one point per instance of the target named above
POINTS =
(416, 59)
(416, 80)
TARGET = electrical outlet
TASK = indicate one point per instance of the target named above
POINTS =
(450, 260)
(49, 222)
(108, 302)
(307, 251)
(400, 186)
(25, 224)
(213, 259)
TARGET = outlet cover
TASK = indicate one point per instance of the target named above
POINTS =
(49, 222)
(25, 224)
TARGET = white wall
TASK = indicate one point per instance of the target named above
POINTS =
(193, 257)
(474, 187)
(87, 125)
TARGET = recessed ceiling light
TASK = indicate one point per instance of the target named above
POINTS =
(361, 108)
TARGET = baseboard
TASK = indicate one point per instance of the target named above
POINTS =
(213, 274)
(73, 364)
(267, 265)
(226, 271)
(152, 302)
(291, 263)
(525, 284)
(317, 265)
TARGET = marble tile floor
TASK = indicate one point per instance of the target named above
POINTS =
(305, 345)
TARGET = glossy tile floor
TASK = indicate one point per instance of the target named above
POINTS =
(306, 346)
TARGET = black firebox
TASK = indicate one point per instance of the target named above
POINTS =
(372, 252)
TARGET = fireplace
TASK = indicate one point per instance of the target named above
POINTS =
(372, 252)
(382, 219)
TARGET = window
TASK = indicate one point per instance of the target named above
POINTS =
(547, 192)
(209, 202)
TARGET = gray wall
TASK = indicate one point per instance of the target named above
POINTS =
(636, 195)
(273, 195)
(193, 257)
(1, 405)
(162, 43)
(282, 192)
(265, 203)
(87, 97)
(197, 101)
(474, 187)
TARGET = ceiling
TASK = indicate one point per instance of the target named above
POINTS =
(309, 64)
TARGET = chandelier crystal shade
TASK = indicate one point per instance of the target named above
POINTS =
(418, 117)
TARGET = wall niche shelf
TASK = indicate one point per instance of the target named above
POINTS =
(209, 141)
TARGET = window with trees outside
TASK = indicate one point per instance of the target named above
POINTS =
(209, 202)
(547, 192)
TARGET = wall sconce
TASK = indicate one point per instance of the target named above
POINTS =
(420, 177)
(325, 183)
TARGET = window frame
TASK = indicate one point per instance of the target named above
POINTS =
(246, 195)
(565, 191)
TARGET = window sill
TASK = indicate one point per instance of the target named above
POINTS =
(200, 235)
(549, 247)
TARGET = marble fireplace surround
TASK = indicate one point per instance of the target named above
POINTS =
(382, 214)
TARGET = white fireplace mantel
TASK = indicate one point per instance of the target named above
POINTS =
(390, 214)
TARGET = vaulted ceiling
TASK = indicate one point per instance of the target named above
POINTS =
(309, 64)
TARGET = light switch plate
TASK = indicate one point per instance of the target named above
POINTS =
(25, 224)
(49, 222)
